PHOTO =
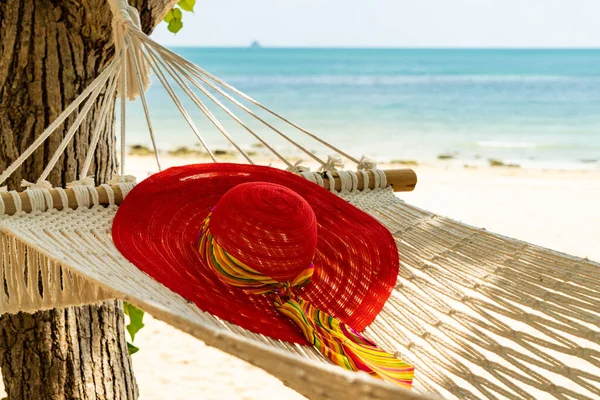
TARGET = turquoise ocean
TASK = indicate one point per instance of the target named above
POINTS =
(535, 108)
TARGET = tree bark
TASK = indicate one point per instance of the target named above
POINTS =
(50, 50)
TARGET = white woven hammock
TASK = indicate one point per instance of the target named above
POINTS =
(478, 314)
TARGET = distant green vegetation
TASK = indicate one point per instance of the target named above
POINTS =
(497, 163)
(405, 162)
(445, 157)
(185, 152)
(226, 154)
(140, 150)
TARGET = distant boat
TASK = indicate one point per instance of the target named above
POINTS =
(255, 45)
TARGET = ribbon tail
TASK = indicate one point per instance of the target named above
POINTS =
(343, 345)
(382, 364)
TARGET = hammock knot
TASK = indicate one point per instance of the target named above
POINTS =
(567, 371)
(551, 388)
(87, 181)
(39, 184)
(333, 164)
(581, 352)
(496, 348)
(593, 336)
(117, 179)
(125, 14)
(297, 168)
(126, 19)
(366, 163)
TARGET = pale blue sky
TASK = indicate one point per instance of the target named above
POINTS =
(390, 23)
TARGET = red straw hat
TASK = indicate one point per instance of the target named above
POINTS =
(237, 239)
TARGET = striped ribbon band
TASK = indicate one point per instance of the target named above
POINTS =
(331, 337)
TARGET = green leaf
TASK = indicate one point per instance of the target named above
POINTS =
(131, 349)
(177, 14)
(187, 5)
(135, 319)
(175, 25)
(170, 15)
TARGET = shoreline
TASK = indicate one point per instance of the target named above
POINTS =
(260, 155)
(497, 167)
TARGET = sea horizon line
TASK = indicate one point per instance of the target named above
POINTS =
(266, 47)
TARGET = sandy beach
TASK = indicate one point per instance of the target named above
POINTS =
(557, 209)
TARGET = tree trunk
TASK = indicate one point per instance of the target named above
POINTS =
(50, 51)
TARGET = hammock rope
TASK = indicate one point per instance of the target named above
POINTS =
(244, 108)
(478, 314)
(157, 63)
(219, 81)
(55, 124)
(102, 117)
(140, 84)
(123, 106)
(205, 92)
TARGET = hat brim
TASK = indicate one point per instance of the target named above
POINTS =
(158, 224)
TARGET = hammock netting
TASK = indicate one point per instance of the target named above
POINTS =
(479, 315)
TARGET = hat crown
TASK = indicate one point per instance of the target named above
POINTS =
(268, 227)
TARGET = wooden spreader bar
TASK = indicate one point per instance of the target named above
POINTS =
(401, 180)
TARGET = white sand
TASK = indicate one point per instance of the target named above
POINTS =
(557, 209)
